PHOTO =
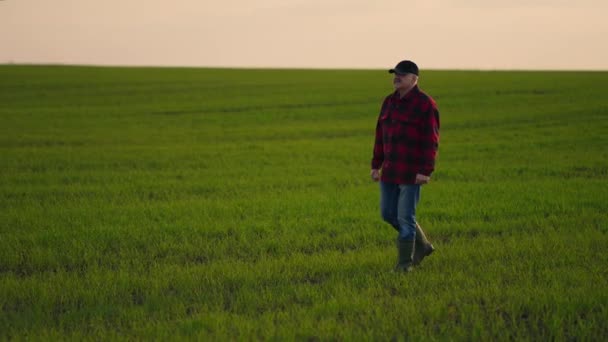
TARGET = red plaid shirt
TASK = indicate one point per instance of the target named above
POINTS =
(407, 137)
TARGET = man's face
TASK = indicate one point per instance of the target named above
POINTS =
(404, 82)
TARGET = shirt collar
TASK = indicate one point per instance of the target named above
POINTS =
(407, 96)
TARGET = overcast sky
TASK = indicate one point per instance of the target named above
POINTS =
(437, 34)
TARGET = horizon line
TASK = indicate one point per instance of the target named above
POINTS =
(226, 67)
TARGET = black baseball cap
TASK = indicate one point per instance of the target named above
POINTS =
(405, 67)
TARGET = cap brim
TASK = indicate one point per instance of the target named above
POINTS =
(393, 71)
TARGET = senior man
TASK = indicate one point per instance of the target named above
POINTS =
(407, 139)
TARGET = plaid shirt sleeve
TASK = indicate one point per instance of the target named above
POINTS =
(378, 156)
(429, 138)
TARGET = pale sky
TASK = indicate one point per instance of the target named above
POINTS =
(436, 34)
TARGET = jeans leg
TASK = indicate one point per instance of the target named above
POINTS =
(389, 198)
(409, 194)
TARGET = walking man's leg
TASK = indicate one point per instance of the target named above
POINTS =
(409, 194)
(389, 199)
(423, 246)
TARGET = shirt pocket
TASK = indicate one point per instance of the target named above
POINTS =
(384, 116)
(412, 120)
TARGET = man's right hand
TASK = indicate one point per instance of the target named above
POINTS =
(375, 175)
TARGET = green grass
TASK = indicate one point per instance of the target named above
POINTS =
(236, 204)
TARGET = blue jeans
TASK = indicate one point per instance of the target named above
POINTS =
(398, 207)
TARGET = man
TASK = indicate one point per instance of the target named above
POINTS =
(407, 139)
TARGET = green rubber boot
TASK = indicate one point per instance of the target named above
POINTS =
(406, 255)
(423, 247)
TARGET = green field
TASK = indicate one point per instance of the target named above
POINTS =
(234, 204)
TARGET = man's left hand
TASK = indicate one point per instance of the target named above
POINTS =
(422, 179)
